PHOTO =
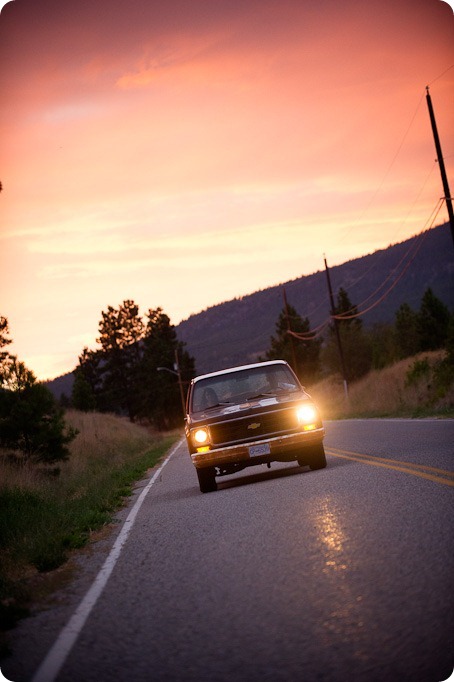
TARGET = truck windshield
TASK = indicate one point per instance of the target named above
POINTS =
(241, 385)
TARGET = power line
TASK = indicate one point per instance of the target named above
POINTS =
(374, 305)
(310, 336)
(317, 331)
(442, 74)
(377, 260)
(399, 148)
(413, 246)
(411, 253)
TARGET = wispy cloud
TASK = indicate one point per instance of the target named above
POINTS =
(231, 143)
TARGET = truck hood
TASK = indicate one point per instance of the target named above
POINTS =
(248, 407)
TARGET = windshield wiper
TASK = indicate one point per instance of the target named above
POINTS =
(211, 407)
(262, 395)
(273, 394)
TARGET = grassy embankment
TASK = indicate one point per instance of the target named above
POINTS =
(43, 516)
(409, 388)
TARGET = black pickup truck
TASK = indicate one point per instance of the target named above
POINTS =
(250, 415)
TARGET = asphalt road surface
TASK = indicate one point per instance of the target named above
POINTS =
(283, 574)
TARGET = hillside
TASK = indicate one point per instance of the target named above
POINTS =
(238, 331)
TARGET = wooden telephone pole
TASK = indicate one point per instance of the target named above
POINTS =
(441, 163)
(289, 328)
(336, 329)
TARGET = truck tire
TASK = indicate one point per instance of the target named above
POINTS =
(207, 480)
(317, 457)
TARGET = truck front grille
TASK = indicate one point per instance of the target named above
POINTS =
(253, 427)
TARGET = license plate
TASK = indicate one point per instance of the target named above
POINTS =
(258, 450)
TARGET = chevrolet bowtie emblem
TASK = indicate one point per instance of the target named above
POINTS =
(254, 425)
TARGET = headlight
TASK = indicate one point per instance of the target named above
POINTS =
(200, 436)
(307, 416)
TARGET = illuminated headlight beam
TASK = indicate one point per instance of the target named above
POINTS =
(307, 415)
(200, 437)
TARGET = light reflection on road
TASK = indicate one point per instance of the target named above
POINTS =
(332, 536)
(345, 621)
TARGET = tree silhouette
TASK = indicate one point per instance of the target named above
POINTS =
(161, 399)
(4, 340)
(356, 346)
(86, 392)
(120, 332)
(407, 335)
(122, 375)
(32, 423)
(82, 397)
(285, 347)
(432, 322)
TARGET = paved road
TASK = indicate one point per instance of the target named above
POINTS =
(283, 574)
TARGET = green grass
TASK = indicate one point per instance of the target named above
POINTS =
(43, 517)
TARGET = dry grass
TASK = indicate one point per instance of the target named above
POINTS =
(103, 439)
(45, 514)
(384, 392)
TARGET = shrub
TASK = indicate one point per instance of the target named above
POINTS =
(32, 425)
(420, 369)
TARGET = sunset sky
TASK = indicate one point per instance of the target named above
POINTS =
(185, 152)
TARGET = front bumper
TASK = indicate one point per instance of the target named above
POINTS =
(281, 447)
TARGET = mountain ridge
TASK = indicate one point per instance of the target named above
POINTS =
(238, 331)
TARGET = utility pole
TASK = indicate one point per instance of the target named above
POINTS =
(289, 328)
(176, 371)
(336, 329)
(441, 163)
(180, 383)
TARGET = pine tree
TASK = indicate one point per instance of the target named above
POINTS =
(407, 335)
(87, 387)
(82, 397)
(432, 322)
(122, 375)
(160, 392)
(32, 423)
(120, 332)
(305, 353)
(4, 340)
(356, 345)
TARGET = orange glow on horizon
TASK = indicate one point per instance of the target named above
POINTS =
(146, 142)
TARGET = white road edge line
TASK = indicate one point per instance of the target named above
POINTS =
(57, 655)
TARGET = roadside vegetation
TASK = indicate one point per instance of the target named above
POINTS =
(400, 369)
(418, 386)
(66, 467)
(110, 377)
(45, 514)
(344, 346)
